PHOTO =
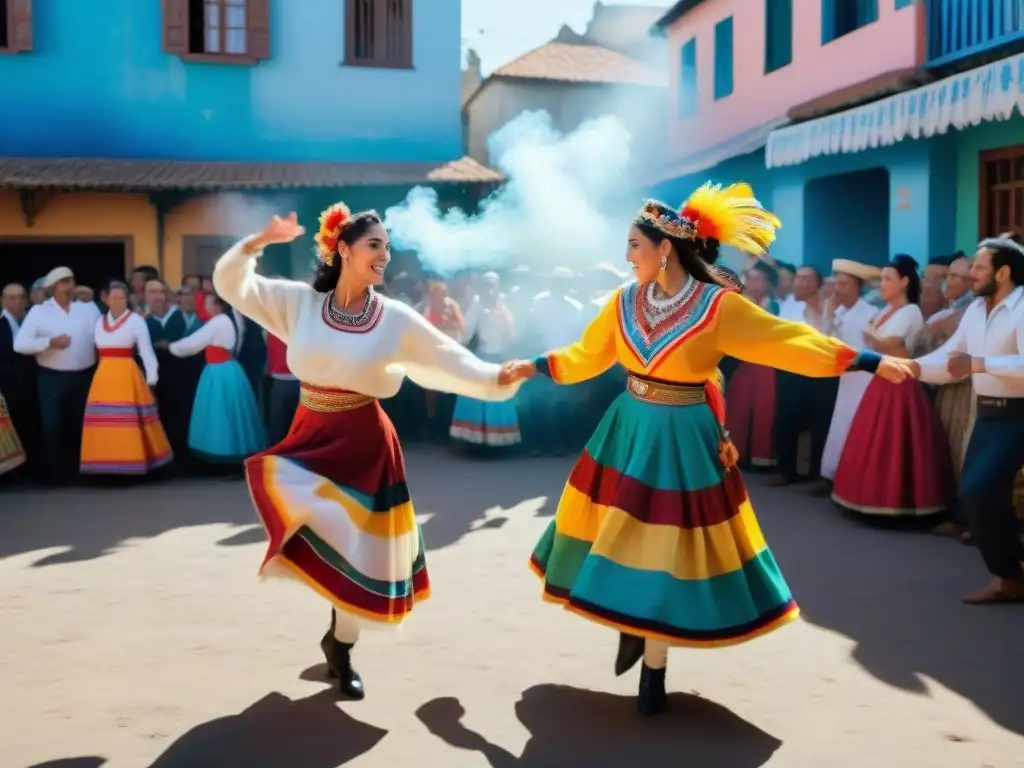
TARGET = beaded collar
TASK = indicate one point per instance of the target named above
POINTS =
(364, 322)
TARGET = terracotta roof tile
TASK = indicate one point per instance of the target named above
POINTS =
(579, 63)
(156, 175)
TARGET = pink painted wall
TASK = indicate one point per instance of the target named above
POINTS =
(891, 43)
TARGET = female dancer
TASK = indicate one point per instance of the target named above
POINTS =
(122, 433)
(654, 534)
(480, 423)
(12, 455)
(896, 460)
(226, 425)
(751, 390)
(333, 494)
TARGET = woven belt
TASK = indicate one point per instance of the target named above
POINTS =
(331, 401)
(1000, 407)
(663, 393)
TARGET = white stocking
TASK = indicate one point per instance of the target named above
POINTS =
(346, 627)
(655, 654)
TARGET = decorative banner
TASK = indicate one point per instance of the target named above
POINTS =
(962, 101)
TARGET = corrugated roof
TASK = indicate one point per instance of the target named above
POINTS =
(167, 175)
(579, 63)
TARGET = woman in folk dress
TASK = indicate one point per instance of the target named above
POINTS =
(12, 454)
(333, 495)
(654, 534)
(896, 459)
(122, 433)
(226, 425)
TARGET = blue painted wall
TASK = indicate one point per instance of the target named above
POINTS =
(921, 205)
(99, 85)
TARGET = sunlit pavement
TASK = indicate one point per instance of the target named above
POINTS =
(136, 633)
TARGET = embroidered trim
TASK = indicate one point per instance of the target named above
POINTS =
(117, 323)
(364, 322)
(650, 342)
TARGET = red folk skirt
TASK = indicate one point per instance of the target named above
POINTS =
(896, 460)
(333, 499)
(750, 413)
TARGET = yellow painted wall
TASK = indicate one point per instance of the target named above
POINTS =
(116, 215)
(91, 214)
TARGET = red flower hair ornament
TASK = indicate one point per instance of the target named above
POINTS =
(332, 221)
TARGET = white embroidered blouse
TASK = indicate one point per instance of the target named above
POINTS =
(371, 358)
(218, 331)
(132, 333)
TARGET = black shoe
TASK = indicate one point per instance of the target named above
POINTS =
(651, 699)
(631, 650)
(339, 664)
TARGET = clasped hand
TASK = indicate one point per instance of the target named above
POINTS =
(514, 371)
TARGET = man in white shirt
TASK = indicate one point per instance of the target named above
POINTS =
(988, 346)
(803, 403)
(59, 333)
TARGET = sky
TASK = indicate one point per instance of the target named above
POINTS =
(501, 30)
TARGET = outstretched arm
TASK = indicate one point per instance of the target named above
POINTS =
(589, 357)
(748, 333)
(271, 303)
(436, 361)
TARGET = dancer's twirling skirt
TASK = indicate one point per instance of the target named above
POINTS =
(334, 501)
(122, 433)
(226, 425)
(12, 455)
(896, 460)
(653, 537)
(750, 396)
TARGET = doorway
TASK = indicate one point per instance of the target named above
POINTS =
(94, 262)
(846, 216)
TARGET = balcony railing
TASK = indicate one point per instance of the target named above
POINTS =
(957, 29)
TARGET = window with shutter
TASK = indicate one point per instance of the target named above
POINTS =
(1001, 192)
(378, 33)
(16, 26)
(234, 31)
(841, 17)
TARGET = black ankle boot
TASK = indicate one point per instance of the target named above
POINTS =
(339, 664)
(651, 699)
(631, 650)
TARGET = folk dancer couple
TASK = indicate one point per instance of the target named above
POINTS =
(652, 538)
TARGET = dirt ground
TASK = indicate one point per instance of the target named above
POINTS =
(135, 633)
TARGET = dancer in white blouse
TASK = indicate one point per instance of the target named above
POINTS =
(333, 495)
(122, 434)
(226, 426)
(896, 459)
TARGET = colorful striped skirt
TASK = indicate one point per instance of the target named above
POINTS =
(122, 433)
(226, 425)
(653, 538)
(480, 422)
(334, 501)
(12, 455)
(896, 460)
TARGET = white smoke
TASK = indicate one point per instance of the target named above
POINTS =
(240, 214)
(566, 203)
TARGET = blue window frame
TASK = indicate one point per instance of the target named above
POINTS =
(688, 79)
(723, 58)
(778, 34)
(841, 17)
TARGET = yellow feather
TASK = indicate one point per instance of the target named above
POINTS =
(735, 215)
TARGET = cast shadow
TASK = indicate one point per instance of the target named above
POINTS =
(572, 726)
(90, 523)
(73, 762)
(245, 537)
(458, 494)
(896, 594)
(276, 732)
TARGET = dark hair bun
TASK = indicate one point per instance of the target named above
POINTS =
(905, 260)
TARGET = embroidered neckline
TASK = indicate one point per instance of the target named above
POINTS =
(684, 315)
(364, 322)
(883, 318)
(117, 323)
